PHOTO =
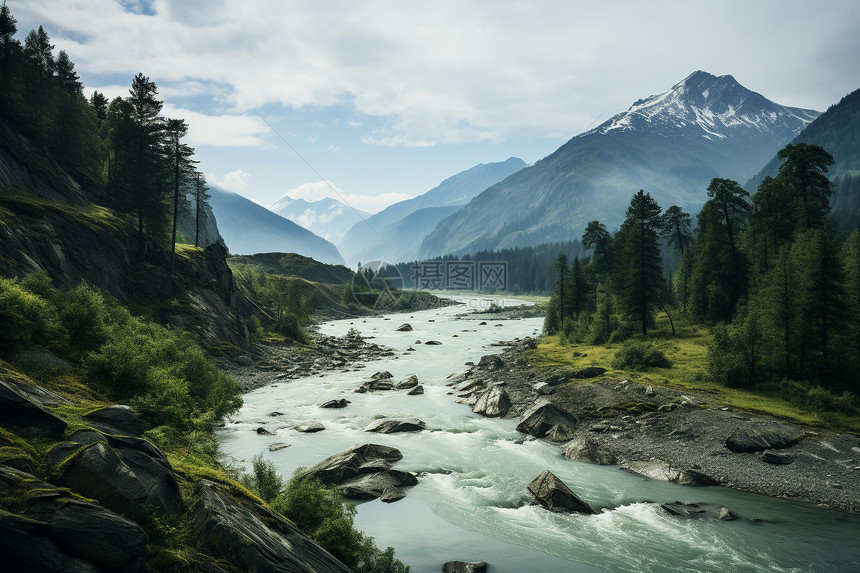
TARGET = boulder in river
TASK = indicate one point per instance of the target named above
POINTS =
(587, 449)
(392, 425)
(410, 382)
(309, 427)
(465, 567)
(432, 343)
(554, 495)
(744, 441)
(417, 391)
(541, 417)
(355, 461)
(371, 486)
(685, 510)
(335, 403)
(405, 327)
(493, 402)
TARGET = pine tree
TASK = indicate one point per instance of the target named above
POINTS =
(201, 199)
(734, 207)
(771, 224)
(39, 53)
(147, 168)
(182, 167)
(8, 48)
(598, 240)
(804, 169)
(99, 103)
(639, 274)
(67, 76)
(676, 228)
(818, 271)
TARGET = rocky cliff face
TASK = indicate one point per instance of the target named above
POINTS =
(83, 500)
(46, 224)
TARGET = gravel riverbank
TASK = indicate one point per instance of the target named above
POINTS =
(664, 434)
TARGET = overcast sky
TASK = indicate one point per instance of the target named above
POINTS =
(385, 99)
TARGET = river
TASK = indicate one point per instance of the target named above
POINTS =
(471, 502)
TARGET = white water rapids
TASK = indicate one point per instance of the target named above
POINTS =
(471, 502)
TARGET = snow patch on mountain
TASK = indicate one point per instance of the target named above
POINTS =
(710, 106)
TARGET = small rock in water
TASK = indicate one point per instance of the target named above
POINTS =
(335, 403)
(263, 431)
(277, 446)
(405, 327)
(727, 514)
(418, 390)
(309, 427)
(408, 383)
(464, 567)
(433, 343)
(482, 324)
(391, 426)
(273, 414)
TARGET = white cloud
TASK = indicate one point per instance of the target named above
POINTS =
(457, 72)
(221, 130)
(235, 181)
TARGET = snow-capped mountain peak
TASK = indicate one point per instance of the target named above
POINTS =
(708, 106)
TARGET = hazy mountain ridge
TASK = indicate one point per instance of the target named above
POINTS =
(249, 228)
(363, 243)
(670, 145)
(327, 217)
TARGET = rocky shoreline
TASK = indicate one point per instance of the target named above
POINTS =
(661, 433)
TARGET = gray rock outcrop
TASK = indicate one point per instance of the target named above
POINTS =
(587, 449)
(541, 418)
(554, 495)
(253, 536)
(744, 441)
(494, 402)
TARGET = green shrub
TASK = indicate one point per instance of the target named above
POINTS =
(162, 372)
(264, 479)
(320, 511)
(255, 328)
(290, 326)
(639, 354)
(83, 312)
(26, 318)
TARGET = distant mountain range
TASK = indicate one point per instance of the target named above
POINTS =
(249, 228)
(670, 145)
(328, 218)
(395, 233)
